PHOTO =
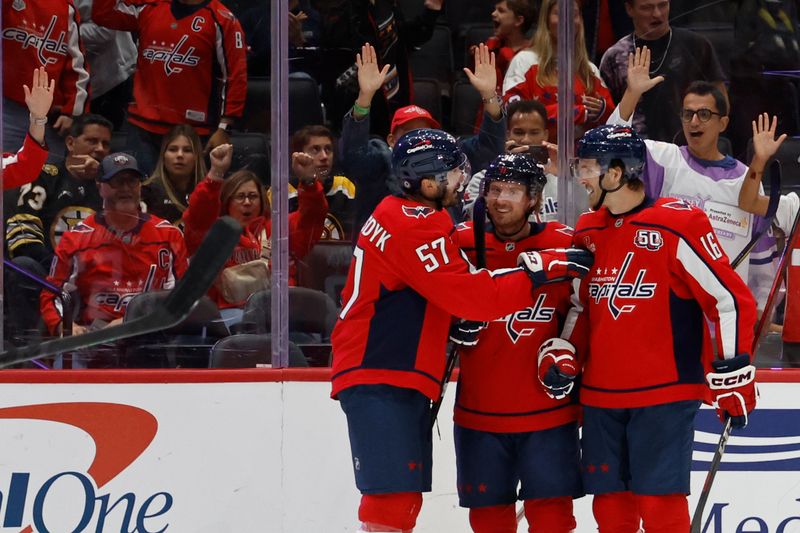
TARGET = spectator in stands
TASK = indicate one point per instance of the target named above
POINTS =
(23, 166)
(242, 197)
(699, 173)
(605, 21)
(191, 69)
(53, 28)
(317, 142)
(679, 55)
(179, 169)
(112, 54)
(382, 24)
(42, 211)
(537, 70)
(526, 133)
(368, 161)
(114, 255)
(512, 20)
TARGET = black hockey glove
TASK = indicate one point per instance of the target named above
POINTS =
(465, 332)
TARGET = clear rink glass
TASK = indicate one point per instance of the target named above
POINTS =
(286, 87)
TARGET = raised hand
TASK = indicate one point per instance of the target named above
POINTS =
(764, 142)
(484, 78)
(303, 167)
(220, 158)
(639, 80)
(370, 77)
(39, 96)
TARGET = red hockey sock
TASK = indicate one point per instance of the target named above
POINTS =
(495, 519)
(664, 514)
(550, 515)
(397, 510)
(616, 512)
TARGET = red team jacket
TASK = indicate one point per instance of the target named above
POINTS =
(24, 166)
(498, 384)
(45, 33)
(305, 228)
(548, 96)
(109, 269)
(191, 68)
(406, 282)
(640, 328)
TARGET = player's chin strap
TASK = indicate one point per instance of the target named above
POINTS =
(622, 183)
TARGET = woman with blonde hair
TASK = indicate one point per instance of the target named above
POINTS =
(533, 74)
(179, 169)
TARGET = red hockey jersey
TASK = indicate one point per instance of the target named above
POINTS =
(24, 166)
(191, 67)
(406, 282)
(498, 384)
(45, 33)
(109, 268)
(640, 328)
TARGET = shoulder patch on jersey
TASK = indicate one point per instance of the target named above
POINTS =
(342, 184)
(566, 230)
(166, 224)
(82, 227)
(678, 205)
(418, 211)
(50, 169)
(463, 226)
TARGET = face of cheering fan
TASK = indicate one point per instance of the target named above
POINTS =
(179, 157)
(504, 20)
(704, 124)
(122, 193)
(245, 203)
(650, 17)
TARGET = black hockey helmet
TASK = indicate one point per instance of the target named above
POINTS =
(515, 168)
(609, 142)
(426, 153)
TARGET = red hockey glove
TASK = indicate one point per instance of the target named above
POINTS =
(555, 264)
(558, 367)
(465, 332)
(733, 387)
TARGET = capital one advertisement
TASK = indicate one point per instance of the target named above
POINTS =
(271, 456)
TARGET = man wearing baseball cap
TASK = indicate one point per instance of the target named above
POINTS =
(115, 254)
(368, 161)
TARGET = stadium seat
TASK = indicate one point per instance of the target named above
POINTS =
(466, 103)
(251, 150)
(249, 351)
(474, 34)
(187, 344)
(434, 59)
(325, 268)
(119, 141)
(428, 94)
(305, 106)
(312, 315)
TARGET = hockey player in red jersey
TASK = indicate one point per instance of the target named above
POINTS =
(508, 429)
(191, 69)
(114, 255)
(640, 332)
(406, 282)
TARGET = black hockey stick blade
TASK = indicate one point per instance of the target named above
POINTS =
(760, 331)
(203, 269)
(772, 208)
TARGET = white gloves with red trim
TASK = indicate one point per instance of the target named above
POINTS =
(558, 367)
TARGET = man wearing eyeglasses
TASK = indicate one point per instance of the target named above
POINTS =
(115, 254)
(699, 173)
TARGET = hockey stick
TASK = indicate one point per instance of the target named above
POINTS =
(203, 269)
(479, 234)
(772, 208)
(765, 319)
